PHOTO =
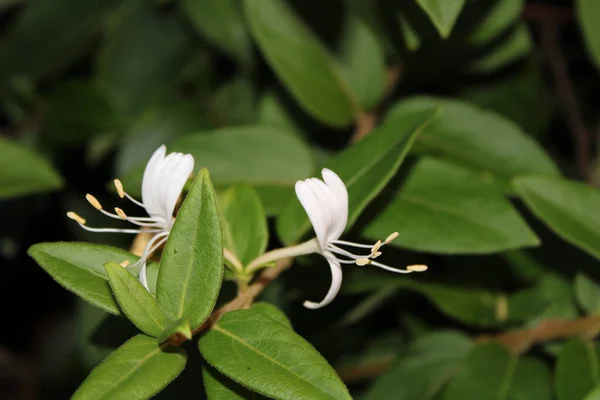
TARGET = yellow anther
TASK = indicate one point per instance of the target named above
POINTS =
(363, 261)
(417, 268)
(376, 254)
(119, 187)
(376, 247)
(124, 264)
(76, 217)
(391, 237)
(120, 213)
(93, 201)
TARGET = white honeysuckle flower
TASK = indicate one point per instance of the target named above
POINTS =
(163, 181)
(326, 204)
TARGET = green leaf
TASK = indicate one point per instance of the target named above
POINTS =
(222, 22)
(271, 112)
(565, 207)
(24, 172)
(365, 168)
(274, 198)
(232, 155)
(191, 266)
(135, 301)
(588, 293)
(180, 327)
(218, 387)
(518, 45)
(531, 381)
(587, 16)
(142, 57)
(476, 138)
(576, 370)
(138, 369)
(497, 20)
(245, 232)
(233, 103)
(487, 370)
(430, 363)
(443, 13)
(245, 345)
(476, 307)
(593, 395)
(307, 70)
(79, 267)
(470, 216)
(273, 312)
(362, 62)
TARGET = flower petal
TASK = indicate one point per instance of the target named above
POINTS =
(336, 282)
(313, 209)
(152, 170)
(176, 182)
(327, 202)
(340, 193)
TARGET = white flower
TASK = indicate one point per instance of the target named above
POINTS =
(326, 203)
(163, 181)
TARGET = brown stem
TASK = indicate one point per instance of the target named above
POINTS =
(566, 93)
(547, 12)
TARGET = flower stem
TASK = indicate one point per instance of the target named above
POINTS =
(311, 246)
(233, 260)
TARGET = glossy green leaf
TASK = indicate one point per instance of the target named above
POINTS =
(365, 168)
(587, 16)
(274, 198)
(191, 266)
(24, 172)
(180, 327)
(219, 387)
(487, 370)
(497, 20)
(253, 155)
(576, 371)
(443, 13)
(429, 364)
(587, 292)
(244, 344)
(233, 103)
(518, 45)
(272, 312)
(135, 301)
(362, 61)
(222, 22)
(531, 380)
(593, 395)
(477, 138)
(565, 207)
(272, 112)
(141, 58)
(470, 215)
(245, 232)
(138, 369)
(295, 54)
(79, 267)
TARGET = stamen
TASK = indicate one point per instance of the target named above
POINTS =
(376, 254)
(363, 261)
(93, 201)
(124, 264)
(417, 268)
(375, 248)
(390, 238)
(334, 249)
(120, 213)
(76, 217)
(119, 187)
(352, 244)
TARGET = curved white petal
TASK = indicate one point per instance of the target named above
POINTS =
(336, 282)
(142, 276)
(176, 182)
(340, 193)
(314, 211)
(163, 182)
(150, 201)
(326, 202)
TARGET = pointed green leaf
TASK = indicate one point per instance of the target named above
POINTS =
(471, 216)
(138, 369)
(307, 70)
(587, 16)
(135, 301)
(476, 138)
(191, 266)
(79, 267)
(365, 168)
(430, 363)
(593, 395)
(273, 312)
(487, 371)
(531, 381)
(443, 13)
(587, 292)
(177, 327)
(245, 232)
(245, 345)
(517, 46)
(222, 22)
(24, 171)
(219, 387)
(565, 207)
(499, 17)
(576, 370)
